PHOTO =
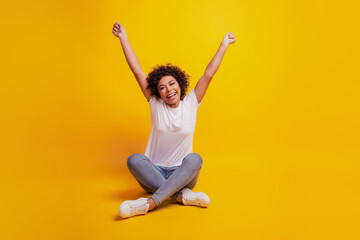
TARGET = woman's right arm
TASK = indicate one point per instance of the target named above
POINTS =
(131, 58)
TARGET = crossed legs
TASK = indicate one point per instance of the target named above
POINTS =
(151, 180)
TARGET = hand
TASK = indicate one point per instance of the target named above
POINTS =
(228, 39)
(118, 30)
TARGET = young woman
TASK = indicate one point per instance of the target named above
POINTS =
(168, 168)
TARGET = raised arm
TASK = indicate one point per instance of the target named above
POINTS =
(131, 58)
(213, 66)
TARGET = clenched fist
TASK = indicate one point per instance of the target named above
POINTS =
(118, 30)
(228, 39)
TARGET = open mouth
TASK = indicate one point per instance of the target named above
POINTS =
(171, 96)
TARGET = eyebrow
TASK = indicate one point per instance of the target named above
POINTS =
(168, 82)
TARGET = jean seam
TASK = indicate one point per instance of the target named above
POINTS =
(156, 200)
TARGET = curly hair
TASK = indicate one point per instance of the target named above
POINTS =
(160, 71)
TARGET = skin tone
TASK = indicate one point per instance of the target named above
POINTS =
(152, 204)
(169, 91)
(134, 64)
(167, 84)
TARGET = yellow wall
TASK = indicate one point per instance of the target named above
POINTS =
(284, 105)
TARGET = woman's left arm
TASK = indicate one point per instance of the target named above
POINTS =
(211, 69)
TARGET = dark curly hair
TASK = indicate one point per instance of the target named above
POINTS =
(160, 71)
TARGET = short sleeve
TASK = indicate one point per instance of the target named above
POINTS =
(192, 98)
(152, 101)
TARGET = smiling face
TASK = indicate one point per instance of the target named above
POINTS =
(169, 91)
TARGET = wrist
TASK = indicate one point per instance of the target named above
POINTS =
(123, 36)
(224, 45)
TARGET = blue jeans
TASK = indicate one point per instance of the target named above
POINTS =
(165, 182)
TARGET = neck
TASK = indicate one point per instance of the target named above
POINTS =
(175, 105)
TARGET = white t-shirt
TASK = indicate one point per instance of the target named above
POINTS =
(172, 130)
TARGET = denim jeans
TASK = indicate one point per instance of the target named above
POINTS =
(165, 182)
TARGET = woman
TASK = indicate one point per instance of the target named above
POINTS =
(169, 168)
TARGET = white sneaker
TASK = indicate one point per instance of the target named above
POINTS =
(195, 198)
(131, 208)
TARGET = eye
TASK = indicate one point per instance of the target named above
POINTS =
(172, 83)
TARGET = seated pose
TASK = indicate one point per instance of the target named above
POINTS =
(168, 168)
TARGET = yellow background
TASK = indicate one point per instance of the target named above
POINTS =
(278, 128)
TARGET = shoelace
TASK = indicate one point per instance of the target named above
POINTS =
(138, 207)
(193, 199)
